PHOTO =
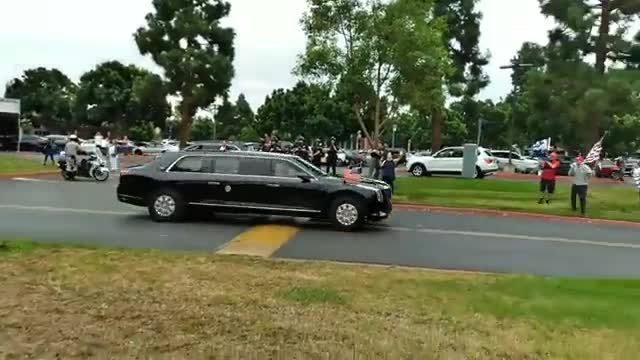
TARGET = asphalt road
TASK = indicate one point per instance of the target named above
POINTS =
(52, 210)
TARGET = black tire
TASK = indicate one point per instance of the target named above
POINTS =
(418, 170)
(99, 175)
(68, 175)
(138, 152)
(351, 206)
(478, 173)
(175, 206)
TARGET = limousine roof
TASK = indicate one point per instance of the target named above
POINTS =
(235, 153)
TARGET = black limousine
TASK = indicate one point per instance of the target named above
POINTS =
(176, 184)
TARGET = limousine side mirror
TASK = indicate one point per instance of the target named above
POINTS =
(305, 178)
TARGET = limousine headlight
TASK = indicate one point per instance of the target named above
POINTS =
(379, 195)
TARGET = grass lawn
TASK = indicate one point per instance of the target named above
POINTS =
(79, 302)
(10, 164)
(604, 202)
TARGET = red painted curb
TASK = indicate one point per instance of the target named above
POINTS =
(28, 174)
(513, 214)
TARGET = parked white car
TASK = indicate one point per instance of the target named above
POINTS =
(154, 148)
(521, 163)
(448, 161)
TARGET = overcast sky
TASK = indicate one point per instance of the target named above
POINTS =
(75, 35)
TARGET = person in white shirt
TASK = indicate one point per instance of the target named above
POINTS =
(636, 176)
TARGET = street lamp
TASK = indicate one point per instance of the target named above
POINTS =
(393, 140)
(481, 121)
(514, 66)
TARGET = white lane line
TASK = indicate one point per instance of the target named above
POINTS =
(67, 210)
(476, 234)
(515, 236)
(37, 180)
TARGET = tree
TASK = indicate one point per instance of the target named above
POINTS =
(573, 39)
(46, 97)
(202, 129)
(232, 118)
(461, 38)
(121, 96)
(360, 51)
(186, 39)
(307, 109)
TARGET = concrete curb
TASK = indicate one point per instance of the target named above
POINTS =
(28, 174)
(513, 214)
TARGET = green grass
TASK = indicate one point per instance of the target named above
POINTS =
(604, 202)
(10, 164)
(174, 305)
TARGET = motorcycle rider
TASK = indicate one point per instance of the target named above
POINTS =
(71, 149)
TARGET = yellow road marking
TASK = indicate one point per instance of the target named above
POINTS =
(261, 240)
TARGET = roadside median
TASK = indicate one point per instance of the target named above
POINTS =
(83, 302)
(18, 166)
(605, 204)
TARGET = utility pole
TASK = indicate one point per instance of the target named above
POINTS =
(514, 65)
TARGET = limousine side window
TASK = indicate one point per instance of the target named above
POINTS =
(286, 169)
(189, 164)
(255, 167)
(226, 165)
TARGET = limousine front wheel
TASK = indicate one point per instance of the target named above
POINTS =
(166, 205)
(347, 213)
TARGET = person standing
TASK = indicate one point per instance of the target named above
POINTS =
(581, 174)
(332, 157)
(388, 171)
(548, 178)
(374, 164)
(636, 176)
(49, 150)
(316, 158)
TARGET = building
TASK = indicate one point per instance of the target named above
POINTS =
(9, 121)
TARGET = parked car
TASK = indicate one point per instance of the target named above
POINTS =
(28, 142)
(254, 183)
(448, 161)
(59, 140)
(154, 148)
(606, 168)
(521, 163)
(212, 146)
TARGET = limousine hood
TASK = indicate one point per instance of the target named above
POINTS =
(362, 181)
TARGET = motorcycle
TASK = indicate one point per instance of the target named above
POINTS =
(94, 167)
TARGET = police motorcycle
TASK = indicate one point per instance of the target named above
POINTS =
(88, 165)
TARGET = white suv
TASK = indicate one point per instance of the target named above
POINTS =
(448, 161)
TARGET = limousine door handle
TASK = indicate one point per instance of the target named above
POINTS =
(214, 183)
(273, 185)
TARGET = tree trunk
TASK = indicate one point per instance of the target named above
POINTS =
(186, 120)
(602, 43)
(436, 130)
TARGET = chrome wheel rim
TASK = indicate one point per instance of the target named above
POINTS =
(347, 214)
(164, 205)
(417, 171)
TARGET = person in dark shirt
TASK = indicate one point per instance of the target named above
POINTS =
(332, 157)
(316, 159)
(388, 170)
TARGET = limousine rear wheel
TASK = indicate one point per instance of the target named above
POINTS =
(166, 205)
(347, 213)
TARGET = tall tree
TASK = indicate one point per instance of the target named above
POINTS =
(573, 39)
(186, 39)
(121, 96)
(461, 38)
(46, 97)
(232, 118)
(354, 47)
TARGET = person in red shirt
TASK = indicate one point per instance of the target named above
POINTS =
(548, 178)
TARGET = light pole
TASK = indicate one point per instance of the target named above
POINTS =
(480, 123)
(514, 66)
(393, 139)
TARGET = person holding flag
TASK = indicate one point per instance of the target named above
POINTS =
(548, 178)
(581, 174)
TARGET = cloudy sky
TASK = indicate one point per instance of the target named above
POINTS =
(75, 35)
